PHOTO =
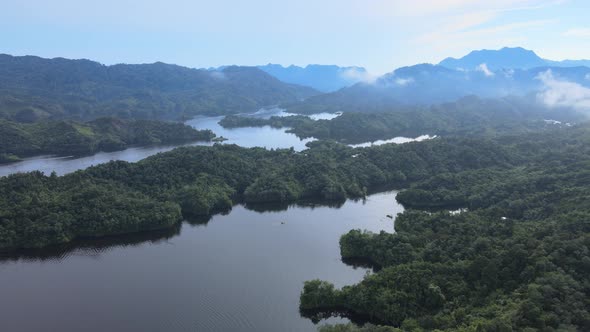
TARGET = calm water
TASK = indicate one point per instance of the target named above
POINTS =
(248, 137)
(396, 140)
(242, 271)
(266, 137)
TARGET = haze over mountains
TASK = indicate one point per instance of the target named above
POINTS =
(325, 78)
(489, 74)
(33, 88)
(507, 58)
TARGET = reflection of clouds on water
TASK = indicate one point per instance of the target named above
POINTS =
(266, 137)
(267, 113)
(395, 140)
(64, 165)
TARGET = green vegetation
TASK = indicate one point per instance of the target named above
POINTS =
(105, 134)
(37, 210)
(518, 259)
(34, 89)
(354, 328)
(469, 116)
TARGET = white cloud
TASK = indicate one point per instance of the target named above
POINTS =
(357, 75)
(466, 32)
(484, 69)
(478, 24)
(404, 81)
(578, 33)
(560, 93)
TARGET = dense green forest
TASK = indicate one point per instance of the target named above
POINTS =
(34, 89)
(517, 259)
(468, 116)
(104, 134)
(38, 210)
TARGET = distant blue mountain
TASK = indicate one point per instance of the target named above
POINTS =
(430, 84)
(507, 58)
(569, 63)
(325, 78)
(434, 83)
(516, 57)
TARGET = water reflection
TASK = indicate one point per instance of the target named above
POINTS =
(90, 247)
(395, 140)
(65, 165)
(242, 271)
(271, 138)
(361, 263)
(310, 204)
(265, 137)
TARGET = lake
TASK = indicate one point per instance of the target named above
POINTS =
(267, 137)
(242, 271)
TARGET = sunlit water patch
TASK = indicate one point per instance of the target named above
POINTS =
(267, 137)
(395, 140)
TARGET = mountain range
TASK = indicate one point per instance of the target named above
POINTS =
(324, 78)
(33, 88)
(507, 58)
(488, 74)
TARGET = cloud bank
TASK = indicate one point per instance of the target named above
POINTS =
(560, 93)
(354, 74)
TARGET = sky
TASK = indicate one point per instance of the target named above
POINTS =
(380, 35)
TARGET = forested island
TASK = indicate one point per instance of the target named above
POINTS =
(469, 116)
(495, 231)
(516, 258)
(67, 138)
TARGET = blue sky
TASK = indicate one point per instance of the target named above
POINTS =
(380, 35)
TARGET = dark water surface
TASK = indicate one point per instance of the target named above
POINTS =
(242, 271)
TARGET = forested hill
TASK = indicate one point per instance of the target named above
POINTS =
(34, 88)
(325, 78)
(38, 210)
(517, 259)
(104, 134)
(469, 116)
